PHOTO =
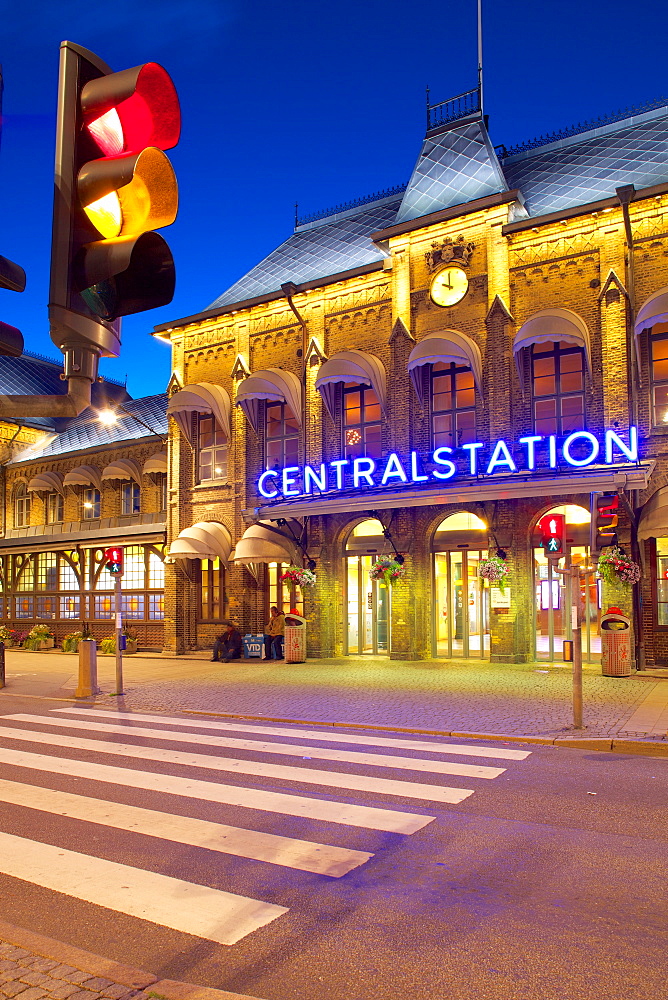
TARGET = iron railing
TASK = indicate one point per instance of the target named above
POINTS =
(565, 133)
(347, 205)
(451, 111)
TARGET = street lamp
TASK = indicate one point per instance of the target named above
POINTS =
(109, 417)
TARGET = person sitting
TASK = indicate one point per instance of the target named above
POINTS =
(228, 644)
(273, 634)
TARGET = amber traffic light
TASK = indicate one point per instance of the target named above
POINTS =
(607, 519)
(114, 186)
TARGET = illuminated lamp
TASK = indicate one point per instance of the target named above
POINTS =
(129, 195)
(132, 109)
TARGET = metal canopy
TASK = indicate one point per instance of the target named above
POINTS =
(123, 468)
(200, 397)
(448, 345)
(155, 463)
(203, 540)
(351, 366)
(48, 482)
(261, 544)
(273, 385)
(84, 475)
(654, 310)
(550, 325)
(654, 516)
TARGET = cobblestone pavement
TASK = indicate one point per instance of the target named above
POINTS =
(464, 696)
(28, 977)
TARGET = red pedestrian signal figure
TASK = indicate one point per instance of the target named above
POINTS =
(552, 528)
(113, 560)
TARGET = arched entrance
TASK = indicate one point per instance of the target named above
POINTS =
(461, 613)
(367, 601)
(552, 596)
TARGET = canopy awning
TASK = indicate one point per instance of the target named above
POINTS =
(200, 397)
(203, 540)
(123, 468)
(273, 385)
(84, 475)
(351, 366)
(260, 544)
(654, 516)
(553, 325)
(49, 482)
(155, 463)
(654, 310)
(445, 346)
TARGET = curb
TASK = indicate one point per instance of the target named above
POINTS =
(106, 968)
(647, 748)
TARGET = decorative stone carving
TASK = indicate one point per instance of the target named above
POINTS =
(449, 252)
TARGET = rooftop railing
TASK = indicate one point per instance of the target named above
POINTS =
(452, 110)
(347, 205)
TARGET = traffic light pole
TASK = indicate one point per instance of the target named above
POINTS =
(575, 574)
(119, 629)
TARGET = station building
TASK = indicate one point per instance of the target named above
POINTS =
(73, 488)
(430, 372)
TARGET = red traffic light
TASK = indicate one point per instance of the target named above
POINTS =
(113, 560)
(552, 530)
(127, 111)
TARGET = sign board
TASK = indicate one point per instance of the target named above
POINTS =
(253, 646)
(497, 599)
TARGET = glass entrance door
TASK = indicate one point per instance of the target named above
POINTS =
(462, 604)
(368, 605)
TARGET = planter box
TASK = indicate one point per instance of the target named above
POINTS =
(43, 644)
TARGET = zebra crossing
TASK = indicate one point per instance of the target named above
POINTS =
(87, 738)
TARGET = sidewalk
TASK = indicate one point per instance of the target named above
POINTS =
(465, 696)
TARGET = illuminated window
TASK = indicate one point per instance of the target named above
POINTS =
(134, 571)
(659, 377)
(557, 388)
(54, 508)
(281, 594)
(90, 504)
(662, 581)
(130, 498)
(24, 573)
(211, 449)
(361, 422)
(281, 436)
(452, 405)
(69, 606)
(21, 506)
(47, 572)
(212, 589)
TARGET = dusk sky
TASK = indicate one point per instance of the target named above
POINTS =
(295, 101)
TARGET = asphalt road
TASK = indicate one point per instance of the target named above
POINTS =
(547, 880)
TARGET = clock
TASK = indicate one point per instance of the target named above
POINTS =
(449, 286)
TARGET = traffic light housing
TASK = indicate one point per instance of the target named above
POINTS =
(12, 277)
(113, 560)
(607, 519)
(552, 530)
(114, 186)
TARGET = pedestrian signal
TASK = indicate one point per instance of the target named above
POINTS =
(113, 560)
(552, 528)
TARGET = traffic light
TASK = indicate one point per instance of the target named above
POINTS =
(552, 534)
(114, 186)
(13, 277)
(607, 519)
(113, 560)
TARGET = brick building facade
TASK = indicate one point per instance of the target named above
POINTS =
(429, 373)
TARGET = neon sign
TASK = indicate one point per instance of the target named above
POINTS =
(534, 453)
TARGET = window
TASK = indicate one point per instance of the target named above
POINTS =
(211, 449)
(130, 502)
(21, 506)
(162, 488)
(452, 405)
(558, 388)
(282, 594)
(90, 504)
(54, 508)
(212, 590)
(659, 378)
(361, 422)
(662, 581)
(281, 436)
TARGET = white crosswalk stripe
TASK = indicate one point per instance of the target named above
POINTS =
(198, 909)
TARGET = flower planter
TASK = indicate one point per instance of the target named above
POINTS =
(42, 644)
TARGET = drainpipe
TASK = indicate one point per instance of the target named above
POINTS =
(289, 289)
(626, 195)
(80, 373)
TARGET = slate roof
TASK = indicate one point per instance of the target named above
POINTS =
(86, 430)
(459, 165)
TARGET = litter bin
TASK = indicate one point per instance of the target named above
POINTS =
(615, 643)
(295, 638)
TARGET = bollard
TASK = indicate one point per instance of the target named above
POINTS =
(2, 664)
(87, 669)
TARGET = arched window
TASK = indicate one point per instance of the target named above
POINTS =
(557, 370)
(21, 506)
(452, 405)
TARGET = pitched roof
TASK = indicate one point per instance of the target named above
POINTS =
(86, 430)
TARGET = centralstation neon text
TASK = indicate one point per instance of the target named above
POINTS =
(533, 453)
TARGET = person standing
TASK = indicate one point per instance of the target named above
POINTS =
(273, 634)
(228, 644)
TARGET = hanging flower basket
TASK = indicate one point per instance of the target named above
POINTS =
(299, 577)
(495, 570)
(388, 570)
(617, 569)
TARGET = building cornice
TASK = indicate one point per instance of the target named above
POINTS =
(446, 214)
(572, 213)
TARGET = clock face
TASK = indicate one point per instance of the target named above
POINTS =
(449, 286)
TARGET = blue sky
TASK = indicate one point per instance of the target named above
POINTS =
(294, 101)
